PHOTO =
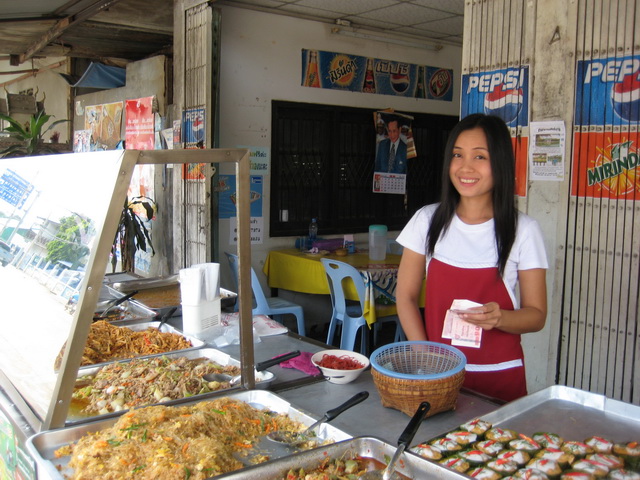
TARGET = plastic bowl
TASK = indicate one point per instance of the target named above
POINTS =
(340, 376)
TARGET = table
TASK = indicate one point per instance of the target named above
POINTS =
(303, 272)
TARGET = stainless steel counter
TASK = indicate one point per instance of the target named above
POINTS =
(315, 395)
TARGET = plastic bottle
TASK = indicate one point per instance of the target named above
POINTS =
(377, 242)
(313, 230)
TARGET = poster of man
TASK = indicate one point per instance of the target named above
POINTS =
(393, 138)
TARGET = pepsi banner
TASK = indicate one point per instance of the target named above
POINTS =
(608, 91)
(340, 71)
(193, 123)
(606, 159)
(504, 93)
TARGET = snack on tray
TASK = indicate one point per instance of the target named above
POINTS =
(523, 458)
(477, 426)
(599, 444)
(160, 442)
(107, 342)
(490, 447)
(462, 437)
(546, 439)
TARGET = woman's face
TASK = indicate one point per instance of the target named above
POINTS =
(470, 169)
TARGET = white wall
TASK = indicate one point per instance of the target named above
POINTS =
(49, 85)
(261, 61)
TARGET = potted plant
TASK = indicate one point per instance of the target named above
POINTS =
(132, 234)
(30, 135)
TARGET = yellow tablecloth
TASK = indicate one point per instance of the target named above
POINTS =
(303, 272)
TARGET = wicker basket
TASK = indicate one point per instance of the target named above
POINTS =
(408, 373)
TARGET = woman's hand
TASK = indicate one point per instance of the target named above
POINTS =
(487, 317)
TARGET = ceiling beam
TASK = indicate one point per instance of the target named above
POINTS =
(59, 28)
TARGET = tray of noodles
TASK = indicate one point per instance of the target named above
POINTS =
(195, 440)
(171, 378)
(107, 342)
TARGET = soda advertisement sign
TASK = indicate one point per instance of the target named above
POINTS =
(606, 158)
(608, 91)
(605, 165)
(340, 71)
(504, 93)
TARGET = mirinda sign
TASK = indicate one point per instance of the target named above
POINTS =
(607, 116)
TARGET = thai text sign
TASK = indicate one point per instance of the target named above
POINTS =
(14, 189)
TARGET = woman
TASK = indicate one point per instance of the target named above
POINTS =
(475, 245)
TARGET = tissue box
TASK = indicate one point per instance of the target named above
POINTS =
(329, 244)
(196, 319)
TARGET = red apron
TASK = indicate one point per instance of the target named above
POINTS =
(496, 368)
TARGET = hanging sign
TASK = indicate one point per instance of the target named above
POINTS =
(341, 71)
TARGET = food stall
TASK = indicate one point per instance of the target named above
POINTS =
(38, 419)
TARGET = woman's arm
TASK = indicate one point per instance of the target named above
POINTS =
(410, 281)
(531, 315)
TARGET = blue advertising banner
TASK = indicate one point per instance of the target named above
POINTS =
(340, 71)
(14, 189)
(504, 93)
(193, 131)
(608, 91)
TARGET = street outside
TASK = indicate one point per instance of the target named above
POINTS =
(34, 325)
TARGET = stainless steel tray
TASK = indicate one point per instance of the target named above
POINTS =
(130, 310)
(411, 466)
(43, 445)
(571, 413)
(263, 380)
(196, 343)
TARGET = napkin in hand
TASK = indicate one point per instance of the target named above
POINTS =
(302, 362)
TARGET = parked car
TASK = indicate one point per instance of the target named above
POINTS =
(5, 254)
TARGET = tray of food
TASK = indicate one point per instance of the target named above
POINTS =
(111, 307)
(196, 440)
(163, 293)
(107, 342)
(164, 379)
(547, 434)
(348, 459)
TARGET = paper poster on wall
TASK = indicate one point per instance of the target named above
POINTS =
(504, 93)
(606, 155)
(226, 189)
(394, 146)
(105, 122)
(259, 160)
(139, 124)
(193, 128)
(341, 71)
(546, 151)
(81, 141)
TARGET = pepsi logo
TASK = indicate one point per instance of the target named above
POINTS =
(505, 104)
(625, 97)
(198, 128)
(399, 82)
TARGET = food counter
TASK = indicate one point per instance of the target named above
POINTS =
(35, 399)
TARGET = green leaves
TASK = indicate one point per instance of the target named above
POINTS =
(30, 135)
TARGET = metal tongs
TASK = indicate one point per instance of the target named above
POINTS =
(115, 303)
(224, 377)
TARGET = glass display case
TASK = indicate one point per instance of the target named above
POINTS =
(59, 215)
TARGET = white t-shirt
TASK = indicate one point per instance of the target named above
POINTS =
(474, 246)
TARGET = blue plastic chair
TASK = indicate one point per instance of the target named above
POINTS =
(347, 313)
(263, 305)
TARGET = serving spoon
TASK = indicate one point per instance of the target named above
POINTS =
(225, 377)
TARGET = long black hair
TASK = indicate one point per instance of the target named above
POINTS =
(502, 163)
